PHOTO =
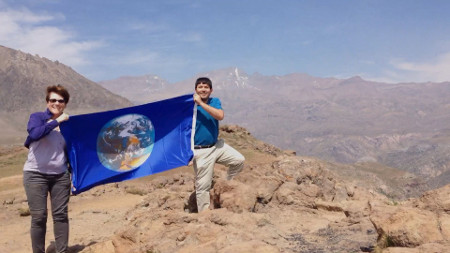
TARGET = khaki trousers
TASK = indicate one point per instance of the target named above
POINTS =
(204, 160)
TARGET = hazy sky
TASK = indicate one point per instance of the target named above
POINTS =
(385, 40)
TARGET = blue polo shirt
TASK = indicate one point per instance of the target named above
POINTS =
(207, 127)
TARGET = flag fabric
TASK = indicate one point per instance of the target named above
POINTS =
(129, 143)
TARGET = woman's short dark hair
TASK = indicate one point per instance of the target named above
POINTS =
(204, 80)
(60, 90)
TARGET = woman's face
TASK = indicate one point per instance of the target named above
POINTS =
(56, 104)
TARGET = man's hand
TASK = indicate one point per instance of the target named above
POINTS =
(197, 99)
(214, 112)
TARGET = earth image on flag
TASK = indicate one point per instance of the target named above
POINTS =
(125, 142)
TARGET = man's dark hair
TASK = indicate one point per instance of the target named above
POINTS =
(60, 90)
(204, 80)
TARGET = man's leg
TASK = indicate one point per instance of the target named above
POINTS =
(59, 194)
(36, 189)
(204, 171)
(228, 156)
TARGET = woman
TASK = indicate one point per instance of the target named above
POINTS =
(46, 171)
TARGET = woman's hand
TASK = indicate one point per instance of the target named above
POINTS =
(63, 117)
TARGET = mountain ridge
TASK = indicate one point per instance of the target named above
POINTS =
(344, 120)
(23, 82)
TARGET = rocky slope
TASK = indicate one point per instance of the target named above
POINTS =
(279, 203)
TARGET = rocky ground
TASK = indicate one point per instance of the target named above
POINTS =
(279, 203)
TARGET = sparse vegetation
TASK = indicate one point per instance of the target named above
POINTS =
(24, 211)
(384, 242)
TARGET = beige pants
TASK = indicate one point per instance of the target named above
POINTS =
(204, 160)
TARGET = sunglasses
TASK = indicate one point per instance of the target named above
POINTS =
(61, 101)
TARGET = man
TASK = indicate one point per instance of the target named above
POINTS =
(207, 149)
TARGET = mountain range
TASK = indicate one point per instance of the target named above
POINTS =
(401, 125)
(374, 126)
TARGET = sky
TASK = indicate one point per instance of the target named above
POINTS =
(379, 40)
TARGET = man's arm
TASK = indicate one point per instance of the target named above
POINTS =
(218, 114)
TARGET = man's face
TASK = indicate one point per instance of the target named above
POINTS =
(203, 91)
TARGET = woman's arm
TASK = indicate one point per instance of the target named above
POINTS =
(38, 126)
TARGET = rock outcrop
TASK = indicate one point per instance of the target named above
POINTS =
(279, 203)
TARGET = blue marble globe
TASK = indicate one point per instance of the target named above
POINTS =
(126, 142)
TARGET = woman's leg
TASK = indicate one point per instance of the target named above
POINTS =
(36, 188)
(59, 194)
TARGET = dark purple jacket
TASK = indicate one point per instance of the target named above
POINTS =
(38, 126)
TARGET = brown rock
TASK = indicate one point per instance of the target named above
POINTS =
(103, 247)
(406, 227)
(234, 196)
(251, 246)
(425, 248)
(436, 200)
(290, 152)
(444, 225)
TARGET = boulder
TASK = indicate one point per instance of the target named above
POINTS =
(406, 226)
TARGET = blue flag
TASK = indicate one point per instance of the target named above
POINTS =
(129, 143)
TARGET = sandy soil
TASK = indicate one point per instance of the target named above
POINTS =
(94, 215)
